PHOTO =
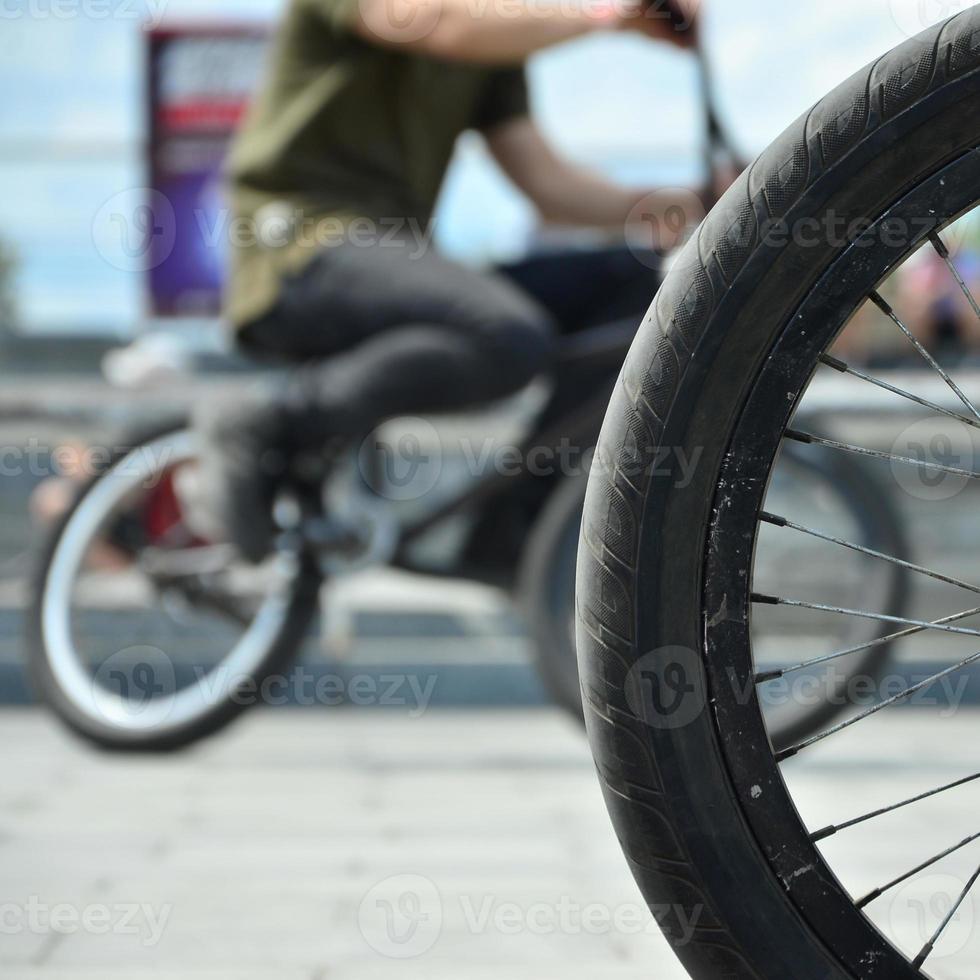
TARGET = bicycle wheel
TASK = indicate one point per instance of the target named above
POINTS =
(143, 636)
(744, 881)
(546, 592)
(841, 494)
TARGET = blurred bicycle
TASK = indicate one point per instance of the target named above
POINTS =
(205, 627)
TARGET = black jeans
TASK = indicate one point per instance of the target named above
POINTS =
(384, 331)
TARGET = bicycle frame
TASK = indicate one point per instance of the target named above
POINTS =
(588, 360)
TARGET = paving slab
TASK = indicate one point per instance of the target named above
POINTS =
(283, 848)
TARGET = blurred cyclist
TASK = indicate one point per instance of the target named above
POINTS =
(336, 173)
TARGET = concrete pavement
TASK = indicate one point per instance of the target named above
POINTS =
(351, 845)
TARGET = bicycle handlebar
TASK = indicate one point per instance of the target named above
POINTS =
(718, 143)
(717, 140)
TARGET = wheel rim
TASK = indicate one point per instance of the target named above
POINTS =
(177, 707)
(840, 502)
(793, 850)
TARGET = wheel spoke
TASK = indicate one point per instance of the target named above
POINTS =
(885, 308)
(940, 246)
(775, 674)
(843, 368)
(929, 946)
(938, 625)
(878, 892)
(837, 828)
(880, 706)
(777, 521)
(808, 438)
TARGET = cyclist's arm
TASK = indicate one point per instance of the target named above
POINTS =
(565, 193)
(501, 31)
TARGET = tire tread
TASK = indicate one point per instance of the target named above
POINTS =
(665, 347)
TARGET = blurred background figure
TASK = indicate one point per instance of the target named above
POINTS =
(934, 307)
(334, 179)
(939, 312)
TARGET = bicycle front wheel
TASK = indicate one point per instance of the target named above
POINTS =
(843, 495)
(744, 870)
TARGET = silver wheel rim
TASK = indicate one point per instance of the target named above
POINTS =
(76, 683)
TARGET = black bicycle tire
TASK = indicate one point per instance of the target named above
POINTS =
(546, 564)
(668, 790)
(542, 583)
(281, 653)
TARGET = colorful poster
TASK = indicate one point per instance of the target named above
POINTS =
(200, 81)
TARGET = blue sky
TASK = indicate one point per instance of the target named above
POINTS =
(71, 124)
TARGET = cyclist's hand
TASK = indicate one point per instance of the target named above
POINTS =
(673, 21)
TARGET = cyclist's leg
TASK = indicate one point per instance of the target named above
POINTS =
(401, 333)
(406, 333)
(604, 287)
(588, 288)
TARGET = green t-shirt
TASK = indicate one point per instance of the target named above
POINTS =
(345, 130)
